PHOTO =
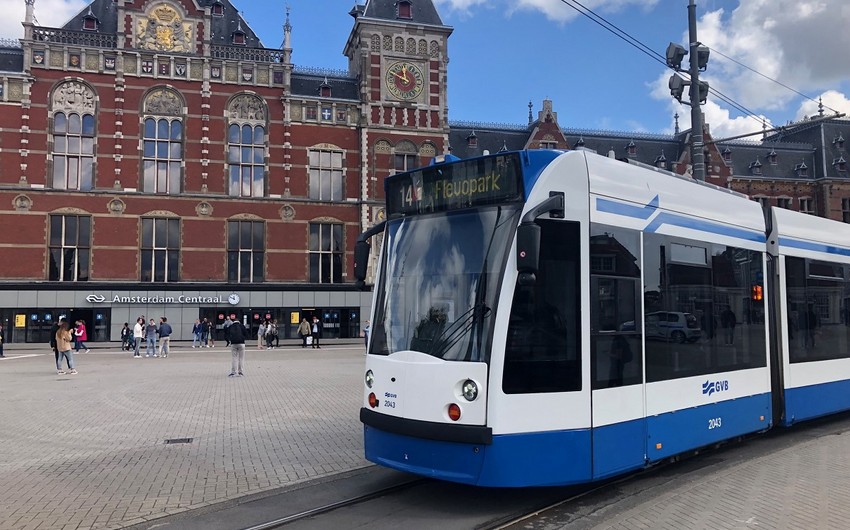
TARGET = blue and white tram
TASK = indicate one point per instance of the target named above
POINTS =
(548, 317)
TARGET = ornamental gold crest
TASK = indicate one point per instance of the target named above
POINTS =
(163, 30)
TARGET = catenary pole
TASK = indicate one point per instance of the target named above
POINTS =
(697, 155)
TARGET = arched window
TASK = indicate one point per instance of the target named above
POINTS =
(246, 147)
(73, 105)
(162, 143)
(73, 151)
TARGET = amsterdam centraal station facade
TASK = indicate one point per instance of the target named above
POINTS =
(157, 159)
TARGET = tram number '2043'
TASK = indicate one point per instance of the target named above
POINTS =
(715, 423)
(390, 403)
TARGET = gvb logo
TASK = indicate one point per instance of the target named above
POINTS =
(710, 387)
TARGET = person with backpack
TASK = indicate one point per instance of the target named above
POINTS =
(236, 334)
(126, 337)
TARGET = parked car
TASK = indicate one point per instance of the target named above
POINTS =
(673, 326)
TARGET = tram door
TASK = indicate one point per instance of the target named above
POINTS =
(619, 424)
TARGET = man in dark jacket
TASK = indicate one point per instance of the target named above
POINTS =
(316, 329)
(164, 336)
(236, 334)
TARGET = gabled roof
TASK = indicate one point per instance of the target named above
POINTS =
(222, 29)
(423, 11)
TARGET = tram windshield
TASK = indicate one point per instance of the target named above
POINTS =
(440, 282)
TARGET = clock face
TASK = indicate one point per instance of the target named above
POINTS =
(404, 80)
(233, 299)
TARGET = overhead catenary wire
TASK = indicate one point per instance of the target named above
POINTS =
(643, 48)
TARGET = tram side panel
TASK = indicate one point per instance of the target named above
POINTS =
(813, 257)
(703, 369)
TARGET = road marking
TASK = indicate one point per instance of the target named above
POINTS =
(7, 358)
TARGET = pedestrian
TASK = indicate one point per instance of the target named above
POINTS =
(728, 322)
(138, 335)
(276, 334)
(164, 337)
(53, 332)
(80, 336)
(316, 331)
(150, 337)
(126, 337)
(205, 332)
(196, 333)
(236, 334)
(2, 338)
(271, 331)
(304, 331)
(63, 344)
(365, 334)
(225, 327)
(261, 335)
(211, 337)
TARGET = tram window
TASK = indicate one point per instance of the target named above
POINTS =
(615, 318)
(543, 349)
(700, 315)
(818, 296)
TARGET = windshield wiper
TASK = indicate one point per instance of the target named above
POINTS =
(454, 333)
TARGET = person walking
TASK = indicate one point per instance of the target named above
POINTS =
(261, 335)
(150, 337)
(226, 327)
(63, 344)
(81, 336)
(304, 331)
(53, 333)
(236, 334)
(366, 330)
(271, 331)
(164, 337)
(211, 335)
(138, 335)
(316, 331)
(126, 337)
(728, 322)
(2, 338)
(205, 333)
(196, 333)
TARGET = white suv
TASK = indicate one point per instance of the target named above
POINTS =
(673, 326)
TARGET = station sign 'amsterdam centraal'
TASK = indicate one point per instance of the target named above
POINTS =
(232, 299)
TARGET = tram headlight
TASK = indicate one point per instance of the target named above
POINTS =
(370, 378)
(469, 390)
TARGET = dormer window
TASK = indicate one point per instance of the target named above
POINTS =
(755, 167)
(239, 38)
(661, 161)
(801, 169)
(838, 142)
(405, 10)
(218, 9)
(90, 21)
(772, 157)
(472, 141)
(631, 149)
(727, 155)
(325, 89)
(580, 141)
(840, 164)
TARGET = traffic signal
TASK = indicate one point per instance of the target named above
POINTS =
(677, 86)
(757, 293)
(702, 58)
(675, 54)
(703, 91)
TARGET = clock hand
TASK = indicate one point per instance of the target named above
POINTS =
(404, 72)
(403, 78)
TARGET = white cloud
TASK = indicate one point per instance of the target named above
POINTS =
(49, 13)
(555, 10)
(832, 99)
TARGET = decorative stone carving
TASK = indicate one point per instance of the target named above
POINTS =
(428, 149)
(423, 47)
(399, 44)
(204, 209)
(376, 43)
(116, 206)
(16, 90)
(73, 96)
(159, 213)
(435, 49)
(22, 203)
(411, 47)
(383, 146)
(246, 217)
(388, 43)
(196, 70)
(263, 76)
(163, 30)
(231, 74)
(56, 58)
(92, 62)
(406, 146)
(296, 112)
(287, 212)
(163, 102)
(247, 107)
(130, 64)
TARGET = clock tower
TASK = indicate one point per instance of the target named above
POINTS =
(398, 50)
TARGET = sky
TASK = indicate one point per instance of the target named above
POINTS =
(505, 53)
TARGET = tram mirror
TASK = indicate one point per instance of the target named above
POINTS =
(528, 248)
(361, 260)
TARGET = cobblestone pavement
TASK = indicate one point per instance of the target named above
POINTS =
(88, 450)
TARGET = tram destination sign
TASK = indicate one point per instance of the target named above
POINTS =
(466, 184)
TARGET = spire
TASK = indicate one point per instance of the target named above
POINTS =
(30, 16)
(287, 31)
(820, 106)
(676, 119)
(530, 117)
